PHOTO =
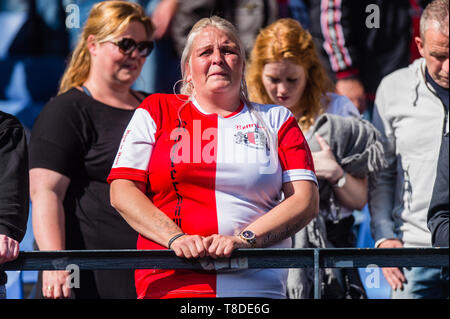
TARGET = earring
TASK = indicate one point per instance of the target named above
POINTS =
(186, 88)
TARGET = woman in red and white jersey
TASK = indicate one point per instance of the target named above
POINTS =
(203, 173)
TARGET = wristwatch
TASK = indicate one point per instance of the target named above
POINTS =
(341, 181)
(249, 237)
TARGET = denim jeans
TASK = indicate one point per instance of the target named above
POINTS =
(2, 292)
(424, 283)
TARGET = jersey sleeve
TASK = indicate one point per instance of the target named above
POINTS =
(133, 155)
(294, 153)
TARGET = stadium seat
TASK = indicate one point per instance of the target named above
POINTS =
(14, 288)
(372, 278)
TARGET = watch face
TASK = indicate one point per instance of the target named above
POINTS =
(341, 182)
(248, 234)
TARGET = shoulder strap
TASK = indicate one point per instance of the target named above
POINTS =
(136, 96)
(85, 89)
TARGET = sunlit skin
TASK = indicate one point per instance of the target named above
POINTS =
(434, 48)
(215, 68)
(284, 82)
(118, 68)
(112, 72)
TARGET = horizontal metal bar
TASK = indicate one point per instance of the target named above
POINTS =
(384, 257)
(240, 259)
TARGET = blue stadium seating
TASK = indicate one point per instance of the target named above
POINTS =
(27, 82)
(372, 278)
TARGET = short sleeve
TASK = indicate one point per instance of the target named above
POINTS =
(135, 150)
(58, 138)
(294, 153)
(341, 105)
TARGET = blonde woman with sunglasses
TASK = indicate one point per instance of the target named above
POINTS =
(73, 144)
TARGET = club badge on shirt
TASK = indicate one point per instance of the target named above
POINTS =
(256, 139)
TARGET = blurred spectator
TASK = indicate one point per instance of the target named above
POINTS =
(14, 198)
(285, 69)
(34, 42)
(411, 110)
(438, 212)
(362, 41)
(73, 144)
(43, 31)
(295, 9)
(161, 70)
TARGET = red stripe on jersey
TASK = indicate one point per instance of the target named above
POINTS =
(293, 149)
(127, 173)
(182, 185)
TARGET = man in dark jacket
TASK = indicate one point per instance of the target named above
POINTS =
(439, 205)
(14, 191)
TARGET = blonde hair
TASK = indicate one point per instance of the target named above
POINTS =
(222, 25)
(106, 20)
(230, 30)
(286, 39)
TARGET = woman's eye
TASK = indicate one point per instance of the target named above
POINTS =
(206, 52)
(228, 51)
(292, 80)
(274, 80)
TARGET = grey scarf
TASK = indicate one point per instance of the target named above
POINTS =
(355, 143)
(357, 146)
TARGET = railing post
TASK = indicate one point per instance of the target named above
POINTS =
(316, 273)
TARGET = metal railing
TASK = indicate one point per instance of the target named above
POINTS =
(240, 259)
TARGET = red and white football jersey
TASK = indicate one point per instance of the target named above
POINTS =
(211, 175)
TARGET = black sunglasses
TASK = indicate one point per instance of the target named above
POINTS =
(128, 45)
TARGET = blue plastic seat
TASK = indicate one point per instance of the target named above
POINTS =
(14, 287)
(373, 279)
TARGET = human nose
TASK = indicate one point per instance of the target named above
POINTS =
(217, 57)
(282, 88)
(135, 53)
(445, 66)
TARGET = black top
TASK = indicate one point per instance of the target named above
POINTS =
(438, 212)
(78, 136)
(442, 92)
(14, 198)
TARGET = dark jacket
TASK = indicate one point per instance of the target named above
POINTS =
(352, 44)
(14, 182)
(439, 205)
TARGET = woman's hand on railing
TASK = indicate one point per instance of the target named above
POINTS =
(55, 284)
(190, 246)
(220, 246)
(214, 246)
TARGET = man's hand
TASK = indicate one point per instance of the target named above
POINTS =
(393, 275)
(354, 90)
(9, 249)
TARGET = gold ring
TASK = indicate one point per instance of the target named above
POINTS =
(49, 288)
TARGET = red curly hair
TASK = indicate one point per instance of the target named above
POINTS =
(286, 39)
